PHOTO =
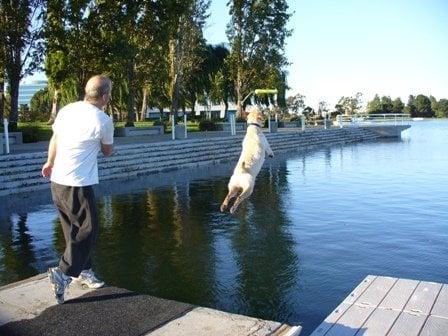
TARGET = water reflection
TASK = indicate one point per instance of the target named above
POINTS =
(16, 254)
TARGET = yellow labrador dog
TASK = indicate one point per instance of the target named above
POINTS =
(255, 147)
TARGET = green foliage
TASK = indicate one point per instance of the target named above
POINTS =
(208, 125)
(40, 105)
(30, 134)
(257, 33)
(296, 103)
(349, 105)
(163, 123)
(21, 45)
(24, 113)
(397, 106)
(410, 107)
(441, 108)
(423, 107)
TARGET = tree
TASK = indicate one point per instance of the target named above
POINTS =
(21, 38)
(397, 106)
(185, 40)
(2, 65)
(257, 33)
(441, 108)
(56, 66)
(350, 105)
(40, 105)
(374, 106)
(410, 107)
(423, 107)
(296, 103)
(322, 109)
(433, 102)
(221, 88)
(386, 104)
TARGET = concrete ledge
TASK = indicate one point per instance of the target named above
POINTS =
(28, 308)
(139, 131)
(389, 131)
(179, 132)
(15, 138)
(226, 126)
(289, 124)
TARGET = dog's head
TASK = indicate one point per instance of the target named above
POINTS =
(255, 117)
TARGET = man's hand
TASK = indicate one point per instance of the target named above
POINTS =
(46, 169)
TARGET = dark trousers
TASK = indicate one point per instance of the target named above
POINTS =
(79, 220)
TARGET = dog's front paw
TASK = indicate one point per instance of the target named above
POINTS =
(223, 207)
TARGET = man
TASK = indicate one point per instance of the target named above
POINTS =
(80, 131)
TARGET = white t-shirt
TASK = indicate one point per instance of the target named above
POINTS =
(80, 129)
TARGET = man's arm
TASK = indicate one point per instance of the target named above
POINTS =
(52, 148)
(107, 138)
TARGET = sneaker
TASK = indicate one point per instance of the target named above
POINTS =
(88, 279)
(60, 282)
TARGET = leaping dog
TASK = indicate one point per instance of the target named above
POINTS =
(255, 147)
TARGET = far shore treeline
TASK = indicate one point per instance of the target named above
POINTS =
(156, 54)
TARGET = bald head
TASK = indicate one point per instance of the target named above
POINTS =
(97, 87)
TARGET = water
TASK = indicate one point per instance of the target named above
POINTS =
(316, 225)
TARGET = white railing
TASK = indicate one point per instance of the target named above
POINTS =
(393, 119)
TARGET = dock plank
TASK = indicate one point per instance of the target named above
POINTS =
(423, 298)
(440, 308)
(351, 322)
(331, 319)
(359, 290)
(399, 295)
(376, 292)
(379, 323)
(435, 326)
(381, 306)
(407, 324)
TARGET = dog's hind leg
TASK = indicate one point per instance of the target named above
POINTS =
(245, 194)
(233, 191)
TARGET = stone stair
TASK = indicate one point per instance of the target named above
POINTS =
(20, 173)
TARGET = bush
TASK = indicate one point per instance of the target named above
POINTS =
(161, 123)
(295, 117)
(30, 134)
(208, 125)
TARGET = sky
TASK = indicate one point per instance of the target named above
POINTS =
(338, 48)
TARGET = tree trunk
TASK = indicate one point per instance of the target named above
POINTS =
(14, 94)
(2, 100)
(144, 103)
(130, 102)
(239, 97)
(54, 107)
(161, 113)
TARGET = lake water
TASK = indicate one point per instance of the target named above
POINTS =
(315, 226)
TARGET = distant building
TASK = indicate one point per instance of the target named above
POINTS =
(209, 112)
(28, 89)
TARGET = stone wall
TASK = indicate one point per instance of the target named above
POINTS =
(21, 173)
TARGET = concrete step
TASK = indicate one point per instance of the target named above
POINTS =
(21, 173)
(128, 162)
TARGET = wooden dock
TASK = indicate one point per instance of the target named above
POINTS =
(381, 306)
